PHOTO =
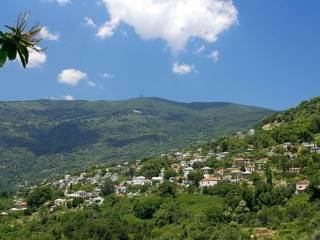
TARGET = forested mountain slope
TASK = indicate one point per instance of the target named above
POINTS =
(41, 138)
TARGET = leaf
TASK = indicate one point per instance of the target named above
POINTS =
(11, 28)
(25, 53)
(3, 57)
(23, 61)
(11, 51)
(24, 56)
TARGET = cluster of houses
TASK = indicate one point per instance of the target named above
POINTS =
(313, 148)
(97, 179)
(94, 197)
(89, 198)
(19, 205)
(182, 163)
(242, 167)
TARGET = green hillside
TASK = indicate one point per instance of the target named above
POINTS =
(39, 139)
(266, 186)
(297, 125)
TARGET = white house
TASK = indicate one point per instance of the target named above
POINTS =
(315, 149)
(84, 174)
(186, 155)
(251, 132)
(17, 209)
(183, 164)
(206, 171)
(157, 179)
(97, 200)
(211, 154)
(261, 163)
(140, 181)
(197, 160)
(239, 161)
(113, 176)
(287, 145)
(221, 155)
(179, 155)
(294, 170)
(81, 194)
(186, 182)
(235, 175)
(59, 202)
(187, 171)
(20, 204)
(4, 214)
(95, 179)
(120, 189)
(67, 177)
(162, 172)
(250, 168)
(302, 185)
(209, 181)
(308, 145)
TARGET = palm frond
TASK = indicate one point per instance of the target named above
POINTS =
(22, 21)
(18, 40)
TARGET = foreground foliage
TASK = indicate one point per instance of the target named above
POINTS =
(187, 216)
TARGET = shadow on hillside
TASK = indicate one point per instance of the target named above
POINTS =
(63, 138)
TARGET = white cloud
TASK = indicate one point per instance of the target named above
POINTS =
(45, 34)
(89, 22)
(182, 69)
(63, 2)
(68, 97)
(36, 59)
(107, 76)
(71, 77)
(107, 30)
(173, 21)
(214, 55)
(201, 49)
(92, 84)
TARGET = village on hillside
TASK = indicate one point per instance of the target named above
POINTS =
(183, 168)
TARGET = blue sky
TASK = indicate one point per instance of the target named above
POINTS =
(263, 53)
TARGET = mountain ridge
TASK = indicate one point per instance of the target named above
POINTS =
(157, 99)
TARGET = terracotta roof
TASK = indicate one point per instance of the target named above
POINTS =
(304, 182)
